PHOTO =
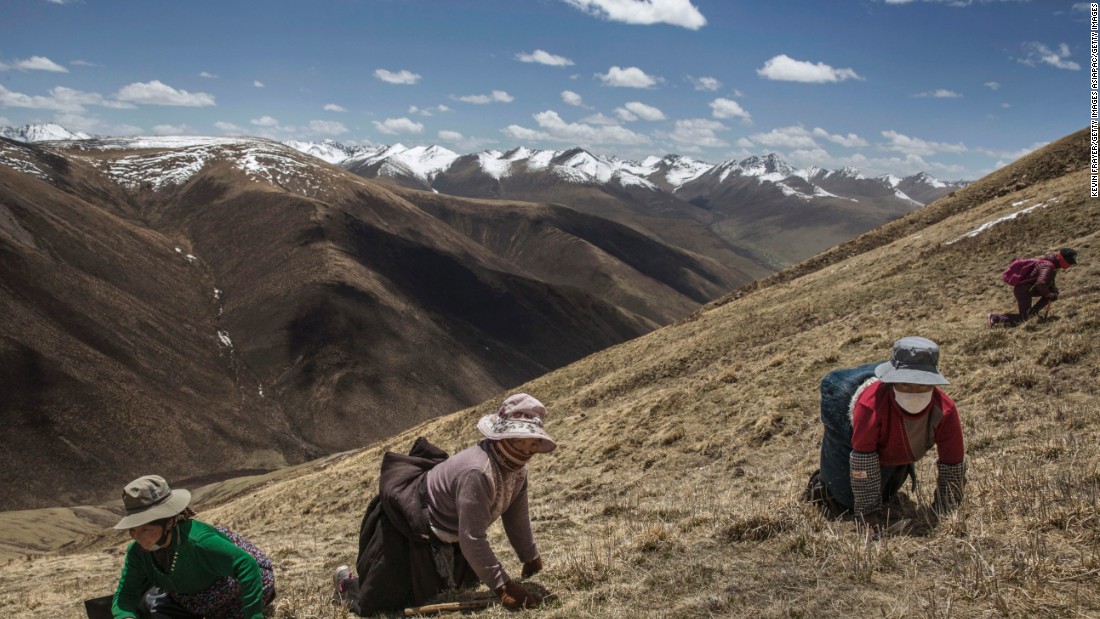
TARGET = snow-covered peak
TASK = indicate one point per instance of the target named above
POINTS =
(852, 173)
(330, 150)
(679, 169)
(928, 179)
(41, 133)
(891, 180)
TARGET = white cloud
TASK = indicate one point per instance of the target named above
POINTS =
(705, 83)
(257, 84)
(77, 122)
(523, 134)
(60, 99)
(543, 57)
(84, 63)
(442, 108)
(694, 133)
(264, 121)
(645, 12)
(394, 126)
(38, 63)
(643, 111)
(327, 127)
(918, 147)
(462, 142)
(401, 77)
(785, 68)
(939, 93)
(786, 137)
(229, 128)
(851, 140)
(630, 77)
(571, 98)
(126, 130)
(727, 108)
(208, 75)
(624, 115)
(159, 93)
(992, 85)
(1038, 53)
(602, 119)
(172, 130)
(332, 107)
(1011, 155)
(497, 96)
(4, 122)
(556, 129)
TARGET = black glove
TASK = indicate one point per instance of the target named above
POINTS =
(514, 597)
(532, 567)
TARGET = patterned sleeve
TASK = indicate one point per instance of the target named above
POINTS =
(950, 482)
(866, 482)
(228, 559)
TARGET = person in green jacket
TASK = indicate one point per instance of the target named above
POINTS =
(181, 568)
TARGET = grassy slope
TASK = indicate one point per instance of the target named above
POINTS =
(674, 492)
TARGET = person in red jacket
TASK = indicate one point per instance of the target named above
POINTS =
(879, 419)
(1039, 282)
(896, 421)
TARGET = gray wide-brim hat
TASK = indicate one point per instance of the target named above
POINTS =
(150, 498)
(913, 360)
(521, 416)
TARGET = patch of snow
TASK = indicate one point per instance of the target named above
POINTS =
(792, 192)
(21, 159)
(901, 196)
(493, 165)
(890, 180)
(627, 179)
(540, 160)
(989, 224)
(223, 337)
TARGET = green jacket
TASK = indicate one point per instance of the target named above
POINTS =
(202, 555)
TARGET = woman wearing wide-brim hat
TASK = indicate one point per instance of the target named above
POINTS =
(181, 568)
(426, 531)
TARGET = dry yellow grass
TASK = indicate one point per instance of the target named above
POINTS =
(675, 490)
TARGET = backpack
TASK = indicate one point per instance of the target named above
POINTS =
(1018, 272)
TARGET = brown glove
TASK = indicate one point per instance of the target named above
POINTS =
(514, 597)
(532, 567)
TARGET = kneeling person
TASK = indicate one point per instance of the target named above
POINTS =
(426, 531)
(879, 420)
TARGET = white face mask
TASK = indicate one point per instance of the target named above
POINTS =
(913, 403)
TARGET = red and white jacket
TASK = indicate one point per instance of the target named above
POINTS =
(880, 426)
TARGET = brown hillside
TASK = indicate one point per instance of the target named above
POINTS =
(252, 307)
(674, 492)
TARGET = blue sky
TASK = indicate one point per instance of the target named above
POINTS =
(953, 87)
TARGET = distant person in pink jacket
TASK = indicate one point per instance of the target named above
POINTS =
(1033, 278)
(426, 531)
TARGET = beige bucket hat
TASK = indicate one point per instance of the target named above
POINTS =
(149, 498)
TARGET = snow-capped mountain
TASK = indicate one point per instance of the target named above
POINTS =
(331, 150)
(756, 211)
(41, 133)
(421, 166)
